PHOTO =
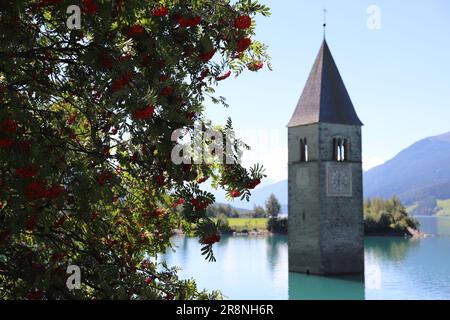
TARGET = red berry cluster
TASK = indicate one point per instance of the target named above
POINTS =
(235, 193)
(253, 183)
(205, 57)
(72, 119)
(199, 204)
(204, 74)
(167, 91)
(25, 173)
(6, 143)
(190, 114)
(8, 126)
(135, 31)
(59, 223)
(32, 222)
(243, 44)
(243, 22)
(160, 180)
(35, 295)
(148, 280)
(178, 202)
(159, 212)
(104, 177)
(119, 83)
(58, 256)
(224, 76)
(144, 113)
(160, 12)
(107, 62)
(36, 189)
(255, 66)
(189, 22)
(163, 77)
(44, 3)
(37, 266)
(210, 239)
(89, 7)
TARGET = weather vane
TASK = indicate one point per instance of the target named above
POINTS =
(324, 21)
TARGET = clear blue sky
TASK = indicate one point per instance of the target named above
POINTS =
(398, 77)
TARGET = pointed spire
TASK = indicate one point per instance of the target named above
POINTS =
(324, 97)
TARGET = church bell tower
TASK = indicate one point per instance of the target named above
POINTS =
(326, 227)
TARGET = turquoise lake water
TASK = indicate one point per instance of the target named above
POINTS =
(257, 268)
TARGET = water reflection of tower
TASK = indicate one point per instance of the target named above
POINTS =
(184, 250)
(275, 246)
(311, 287)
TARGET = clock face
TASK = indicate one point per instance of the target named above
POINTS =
(339, 180)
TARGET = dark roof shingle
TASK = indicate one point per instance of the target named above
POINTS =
(324, 97)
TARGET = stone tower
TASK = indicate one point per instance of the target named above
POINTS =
(325, 176)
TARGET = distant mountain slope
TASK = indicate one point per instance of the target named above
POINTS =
(419, 175)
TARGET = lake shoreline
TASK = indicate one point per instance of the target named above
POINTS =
(256, 267)
(412, 234)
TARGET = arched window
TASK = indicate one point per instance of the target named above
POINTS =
(340, 149)
(303, 150)
(346, 150)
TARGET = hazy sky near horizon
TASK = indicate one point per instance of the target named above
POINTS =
(398, 76)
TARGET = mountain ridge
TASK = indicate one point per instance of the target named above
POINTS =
(419, 175)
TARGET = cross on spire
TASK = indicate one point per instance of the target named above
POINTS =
(324, 21)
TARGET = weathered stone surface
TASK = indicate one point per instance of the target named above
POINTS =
(325, 232)
(326, 226)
